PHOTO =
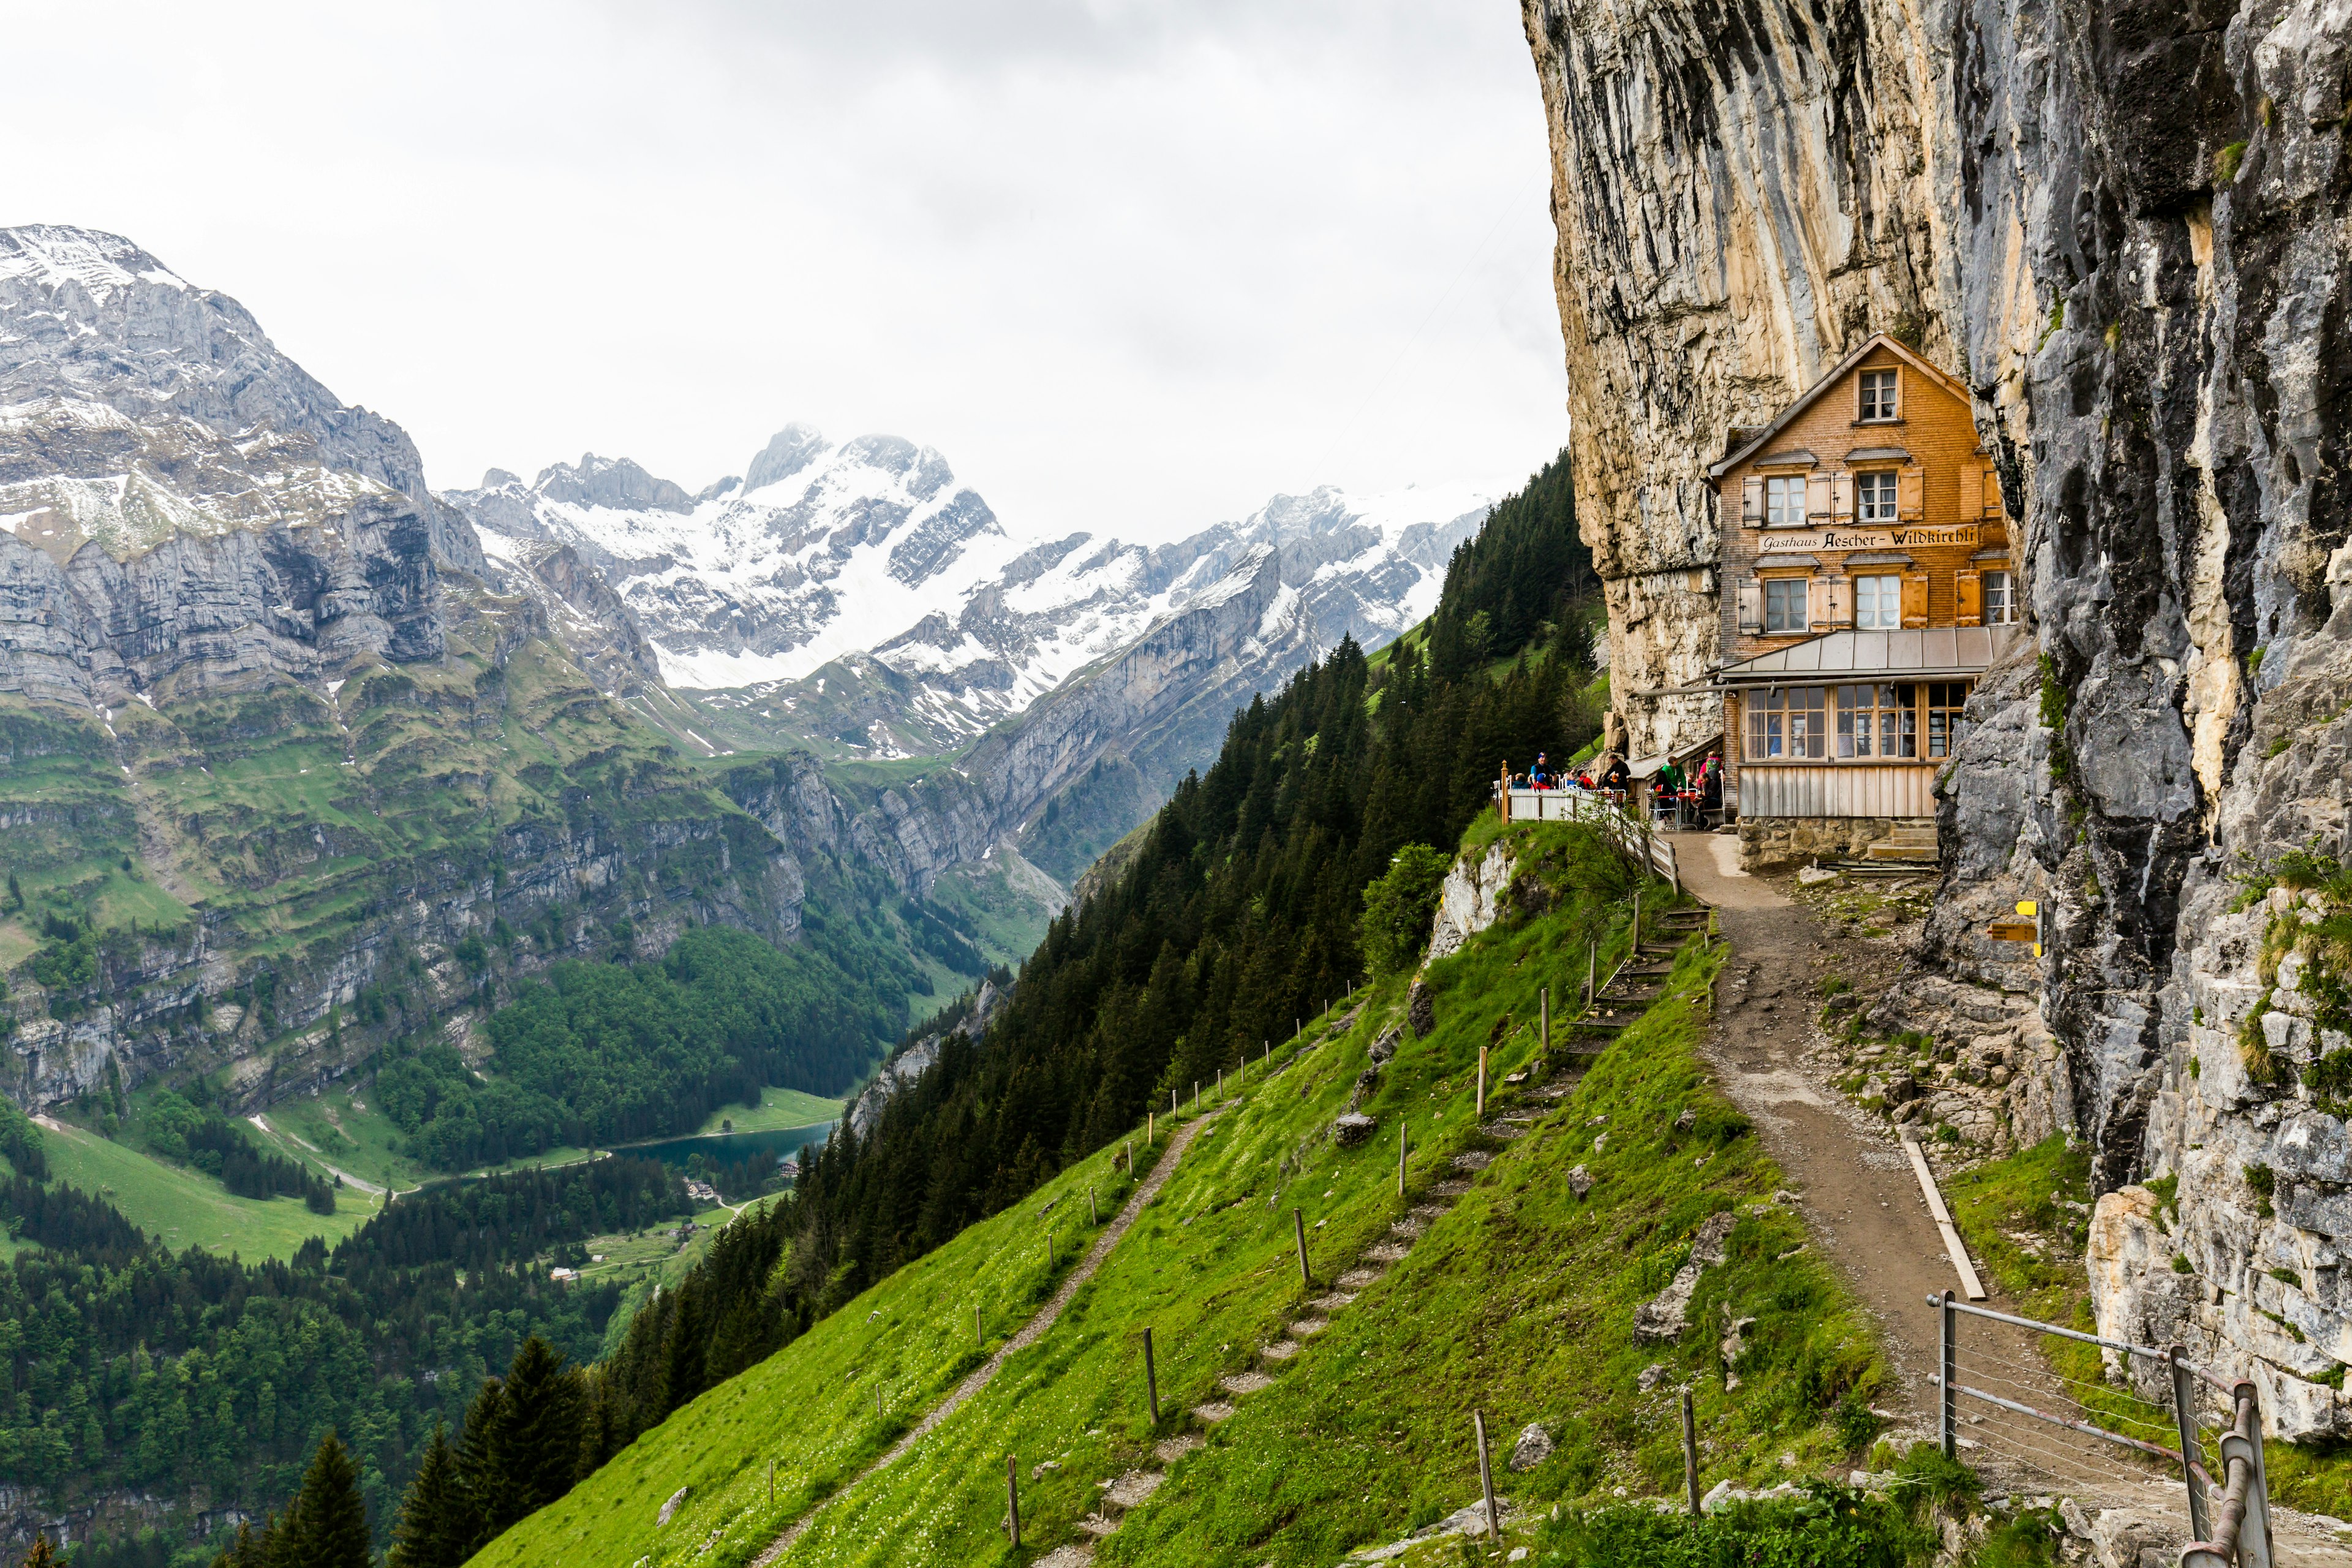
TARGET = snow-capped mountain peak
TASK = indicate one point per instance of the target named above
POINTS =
(869, 560)
(101, 265)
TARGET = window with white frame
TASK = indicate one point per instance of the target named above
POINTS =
(1999, 600)
(1873, 499)
(1784, 502)
(1878, 604)
(1787, 721)
(1878, 395)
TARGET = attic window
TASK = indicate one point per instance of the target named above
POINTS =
(1878, 395)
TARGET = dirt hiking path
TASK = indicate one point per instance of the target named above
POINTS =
(1864, 1209)
(1029, 1334)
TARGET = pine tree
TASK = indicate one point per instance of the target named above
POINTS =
(534, 1445)
(40, 1556)
(439, 1520)
(327, 1526)
(476, 1441)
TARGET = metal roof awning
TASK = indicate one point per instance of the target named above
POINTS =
(1922, 653)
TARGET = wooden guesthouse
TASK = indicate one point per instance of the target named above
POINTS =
(1867, 583)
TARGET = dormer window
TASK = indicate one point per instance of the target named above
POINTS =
(1874, 500)
(1878, 395)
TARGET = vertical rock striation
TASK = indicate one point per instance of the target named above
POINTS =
(2128, 227)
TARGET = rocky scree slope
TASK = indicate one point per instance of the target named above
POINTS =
(2129, 230)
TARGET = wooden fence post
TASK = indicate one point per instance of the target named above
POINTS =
(1298, 1224)
(1482, 1083)
(1150, 1127)
(1404, 1139)
(1094, 1215)
(1485, 1478)
(1591, 971)
(1013, 1497)
(979, 1335)
(1690, 1453)
(1544, 1042)
(1150, 1378)
(771, 1483)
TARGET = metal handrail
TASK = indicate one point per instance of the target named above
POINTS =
(2241, 1528)
(2238, 1533)
(2041, 1328)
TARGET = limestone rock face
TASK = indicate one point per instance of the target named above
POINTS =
(1741, 196)
(1470, 899)
(186, 510)
(2131, 234)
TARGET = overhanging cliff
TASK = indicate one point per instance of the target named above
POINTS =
(2128, 227)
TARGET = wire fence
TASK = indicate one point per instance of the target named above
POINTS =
(2153, 1415)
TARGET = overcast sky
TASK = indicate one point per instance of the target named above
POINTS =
(1131, 266)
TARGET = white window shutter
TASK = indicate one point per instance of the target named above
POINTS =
(1841, 498)
(1751, 606)
(1819, 496)
(1752, 500)
(1911, 493)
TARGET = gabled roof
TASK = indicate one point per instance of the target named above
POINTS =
(1922, 652)
(1812, 394)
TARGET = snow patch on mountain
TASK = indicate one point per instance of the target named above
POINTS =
(870, 558)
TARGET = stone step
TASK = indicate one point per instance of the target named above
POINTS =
(1905, 853)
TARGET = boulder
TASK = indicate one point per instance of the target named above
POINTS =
(1533, 1447)
(1580, 1180)
(1666, 1315)
(669, 1510)
(1386, 1046)
(1420, 1010)
(1352, 1129)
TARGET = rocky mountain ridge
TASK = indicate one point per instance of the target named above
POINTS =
(284, 738)
(2128, 231)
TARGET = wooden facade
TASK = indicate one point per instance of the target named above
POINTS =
(1866, 507)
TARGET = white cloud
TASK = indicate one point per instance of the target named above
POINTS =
(1102, 254)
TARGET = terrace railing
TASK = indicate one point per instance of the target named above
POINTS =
(1630, 830)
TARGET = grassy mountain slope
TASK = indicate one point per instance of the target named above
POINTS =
(1518, 1301)
(812, 1406)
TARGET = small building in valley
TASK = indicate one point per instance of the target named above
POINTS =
(1867, 583)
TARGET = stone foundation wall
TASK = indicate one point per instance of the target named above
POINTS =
(1774, 843)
